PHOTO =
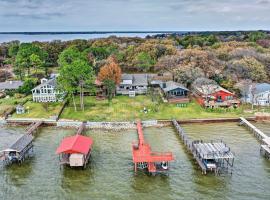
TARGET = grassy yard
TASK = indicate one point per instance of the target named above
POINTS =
(124, 108)
(39, 110)
(8, 103)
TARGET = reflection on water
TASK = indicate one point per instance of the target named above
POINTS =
(110, 174)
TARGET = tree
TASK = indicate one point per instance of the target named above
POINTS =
(36, 62)
(256, 35)
(144, 61)
(110, 75)
(23, 58)
(75, 74)
(249, 68)
(28, 85)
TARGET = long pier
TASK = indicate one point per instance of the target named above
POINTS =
(209, 156)
(21, 147)
(261, 136)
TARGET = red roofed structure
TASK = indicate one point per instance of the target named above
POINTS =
(75, 144)
(144, 158)
(75, 150)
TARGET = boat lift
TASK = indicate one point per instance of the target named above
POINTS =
(145, 159)
(20, 149)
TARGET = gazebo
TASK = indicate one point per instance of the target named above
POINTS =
(75, 150)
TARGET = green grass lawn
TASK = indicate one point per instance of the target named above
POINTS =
(124, 108)
(38, 110)
(8, 103)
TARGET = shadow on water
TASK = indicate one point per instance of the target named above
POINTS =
(16, 173)
(74, 178)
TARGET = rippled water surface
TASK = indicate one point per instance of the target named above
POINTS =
(110, 173)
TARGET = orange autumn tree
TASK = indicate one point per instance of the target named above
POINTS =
(110, 76)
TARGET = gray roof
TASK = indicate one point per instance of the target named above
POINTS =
(10, 85)
(22, 143)
(262, 87)
(137, 79)
(51, 82)
(171, 85)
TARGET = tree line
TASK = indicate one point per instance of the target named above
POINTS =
(227, 59)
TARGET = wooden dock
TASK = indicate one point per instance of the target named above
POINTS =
(261, 136)
(212, 156)
(30, 130)
(81, 128)
(19, 150)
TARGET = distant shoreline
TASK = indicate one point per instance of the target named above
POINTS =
(89, 32)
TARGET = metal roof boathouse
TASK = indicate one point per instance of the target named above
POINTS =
(19, 150)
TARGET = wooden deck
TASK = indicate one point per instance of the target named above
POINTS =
(30, 130)
(261, 136)
(188, 144)
(217, 151)
(81, 128)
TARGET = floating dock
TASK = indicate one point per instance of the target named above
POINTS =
(210, 156)
(21, 148)
(261, 136)
(145, 159)
(75, 150)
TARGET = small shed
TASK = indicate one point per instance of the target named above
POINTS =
(75, 150)
(20, 109)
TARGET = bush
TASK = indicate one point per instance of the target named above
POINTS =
(28, 85)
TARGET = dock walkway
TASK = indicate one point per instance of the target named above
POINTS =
(261, 136)
(209, 156)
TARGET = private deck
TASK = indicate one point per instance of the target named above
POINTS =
(211, 156)
(21, 148)
(261, 136)
(145, 159)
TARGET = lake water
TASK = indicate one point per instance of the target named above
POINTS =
(65, 37)
(110, 174)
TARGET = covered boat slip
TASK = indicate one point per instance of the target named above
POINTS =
(75, 150)
(215, 156)
(210, 156)
(18, 151)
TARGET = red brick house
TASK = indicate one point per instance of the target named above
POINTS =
(214, 96)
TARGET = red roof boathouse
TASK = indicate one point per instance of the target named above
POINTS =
(75, 150)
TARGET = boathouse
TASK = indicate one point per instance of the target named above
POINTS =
(75, 150)
(145, 159)
(19, 150)
(210, 156)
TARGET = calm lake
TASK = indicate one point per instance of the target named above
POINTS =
(110, 175)
(65, 37)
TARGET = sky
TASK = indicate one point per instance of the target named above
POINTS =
(134, 15)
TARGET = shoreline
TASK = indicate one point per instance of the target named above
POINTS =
(124, 125)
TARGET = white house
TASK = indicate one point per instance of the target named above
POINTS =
(47, 91)
(258, 94)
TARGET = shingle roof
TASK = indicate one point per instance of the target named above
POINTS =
(171, 85)
(211, 88)
(10, 85)
(51, 82)
(137, 79)
(21, 143)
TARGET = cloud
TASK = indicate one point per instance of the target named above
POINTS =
(133, 14)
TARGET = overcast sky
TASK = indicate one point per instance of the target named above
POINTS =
(107, 15)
